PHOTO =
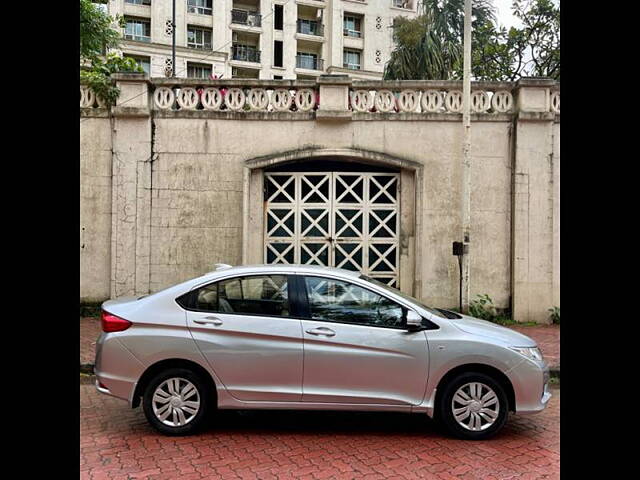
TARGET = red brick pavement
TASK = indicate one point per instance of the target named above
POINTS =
(89, 332)
(547, 337)
(116, 443)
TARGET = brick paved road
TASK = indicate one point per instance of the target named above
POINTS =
(90, 329)
(116, 443)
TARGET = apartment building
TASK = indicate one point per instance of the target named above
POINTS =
(267, 39)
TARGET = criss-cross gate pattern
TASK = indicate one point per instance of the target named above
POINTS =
(343, 219)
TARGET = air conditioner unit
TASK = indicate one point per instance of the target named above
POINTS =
(234, 37)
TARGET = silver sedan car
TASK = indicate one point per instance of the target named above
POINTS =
(301, 337)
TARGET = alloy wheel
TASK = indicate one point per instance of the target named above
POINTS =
(475, 406)
(176, 402)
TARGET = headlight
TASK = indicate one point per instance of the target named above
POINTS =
(532, 353)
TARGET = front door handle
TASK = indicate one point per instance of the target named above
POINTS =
(209, 321)
(327, 332)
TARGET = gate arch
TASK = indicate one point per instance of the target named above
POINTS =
(367, 167)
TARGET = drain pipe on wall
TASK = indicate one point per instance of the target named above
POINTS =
(466, 164)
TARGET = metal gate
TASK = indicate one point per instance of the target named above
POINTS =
(340, 219)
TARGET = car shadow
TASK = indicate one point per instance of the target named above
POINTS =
(321, 422)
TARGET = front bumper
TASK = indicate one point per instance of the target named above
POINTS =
(531, 386)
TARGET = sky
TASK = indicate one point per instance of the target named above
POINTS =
(504, 15)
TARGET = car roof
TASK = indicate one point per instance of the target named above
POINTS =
(286, 268)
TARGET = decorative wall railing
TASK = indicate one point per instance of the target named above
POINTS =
(238, 96)
(359, 96)
(430, 97)
(88, 99)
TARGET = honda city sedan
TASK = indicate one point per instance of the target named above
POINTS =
(311, 338)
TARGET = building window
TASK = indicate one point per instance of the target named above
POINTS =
(277, 77)
(144, 62)
(101, 5)
(406, 4)
(245, 53)
(352, 26)
(198, 70)
(277, 53)
(201, 7)
(245, 17)
(138, 2)
(308, 61)
(351, 59)
(137, 29)
(309, 27)
(277, 17)
(199, 37)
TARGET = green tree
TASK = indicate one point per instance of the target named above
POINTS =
(97, 35)
(536, 46)
(96, 31)
(430, 46)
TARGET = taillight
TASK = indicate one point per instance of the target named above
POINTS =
(111, 323)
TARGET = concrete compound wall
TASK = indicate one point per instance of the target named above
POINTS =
(179, 197)
(95, 209)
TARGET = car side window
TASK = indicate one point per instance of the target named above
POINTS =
(256, 295)
(344, 302)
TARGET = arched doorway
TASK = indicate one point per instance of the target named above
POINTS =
(348, 209)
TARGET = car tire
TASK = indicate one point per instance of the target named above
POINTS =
(177, 401)
(473, 406)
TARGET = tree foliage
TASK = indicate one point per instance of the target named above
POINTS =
(430, 46)
(96, 31)
(97, 36)
(536, 45)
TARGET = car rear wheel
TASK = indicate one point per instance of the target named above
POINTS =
(176, 402)
(473, 406)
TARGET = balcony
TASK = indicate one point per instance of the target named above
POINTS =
(347, 32)
(310, 27)
(309, 63)
(245, 53)
(245, 17)
(137, 38)
(405, 4)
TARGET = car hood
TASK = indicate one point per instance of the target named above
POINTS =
(483, 328)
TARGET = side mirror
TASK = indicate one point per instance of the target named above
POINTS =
(414, 321)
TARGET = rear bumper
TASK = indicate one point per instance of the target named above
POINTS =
(116, 369)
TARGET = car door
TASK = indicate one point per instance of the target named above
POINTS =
(244, 328)
(356, 348)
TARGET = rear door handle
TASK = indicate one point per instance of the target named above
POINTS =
(209, 321)
(327, 332)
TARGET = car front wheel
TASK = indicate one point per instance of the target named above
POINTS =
(473, 406)
(176, 402)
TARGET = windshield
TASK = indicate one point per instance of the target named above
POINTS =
(403, 295)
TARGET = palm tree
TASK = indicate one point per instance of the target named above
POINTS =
(429, 47)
